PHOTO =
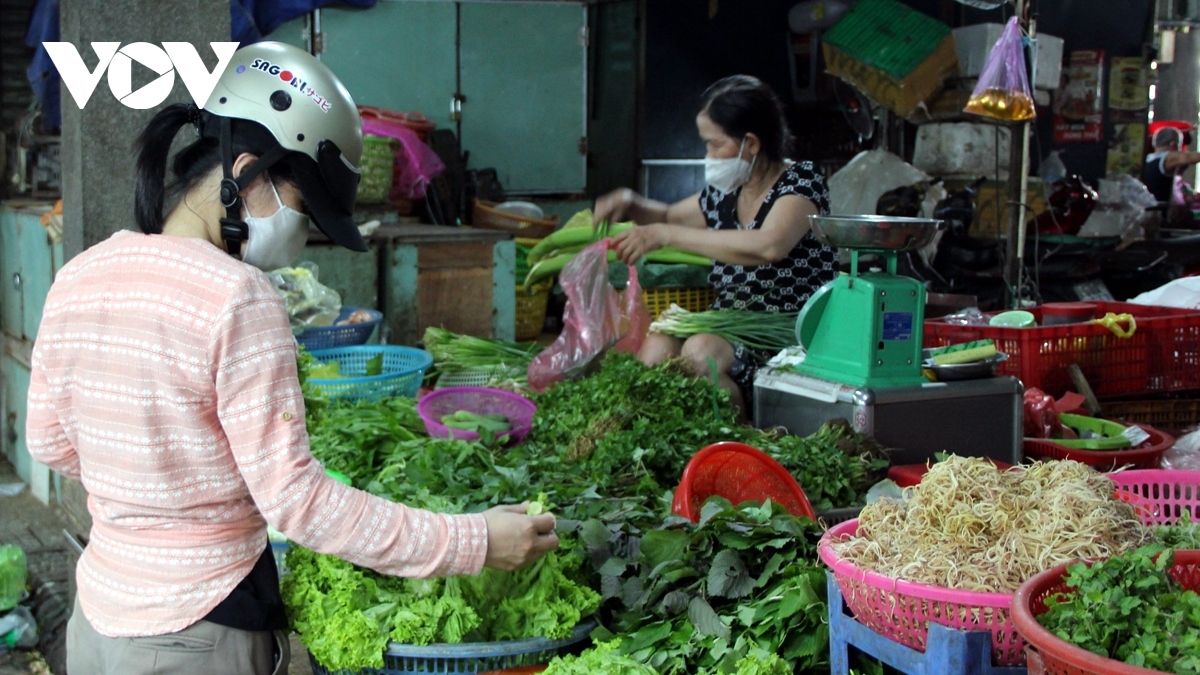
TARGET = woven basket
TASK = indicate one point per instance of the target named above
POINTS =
(378, 165)
(658, 300)
(486, 215)
(531, 310)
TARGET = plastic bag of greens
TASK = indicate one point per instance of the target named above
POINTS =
(310, 304)
(1003, 91)
(597, 318)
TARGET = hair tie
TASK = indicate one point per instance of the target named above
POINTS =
(195, 117)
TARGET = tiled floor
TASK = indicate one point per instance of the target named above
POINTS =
(38, 529)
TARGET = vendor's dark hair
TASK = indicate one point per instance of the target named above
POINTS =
(191, 164)
(743, 104)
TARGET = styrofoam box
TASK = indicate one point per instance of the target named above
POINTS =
(961, 150)
(974, 43)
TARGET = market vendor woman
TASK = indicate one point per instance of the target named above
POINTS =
(164, 378)
(751, 219)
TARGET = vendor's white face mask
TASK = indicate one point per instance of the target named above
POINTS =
(727, 175)
(276, 240)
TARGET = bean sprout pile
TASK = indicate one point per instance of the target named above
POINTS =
(971, 526)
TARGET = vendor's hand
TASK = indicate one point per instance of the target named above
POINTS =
(631, 245)
(613, 207)
(515, 539)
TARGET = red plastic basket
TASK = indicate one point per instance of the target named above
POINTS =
(738, 473)
(1163, 354)
(1166, 494)
(1145, 456)
(1053, 656)
(481, 400)
(902, 610)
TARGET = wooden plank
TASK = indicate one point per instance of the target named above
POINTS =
(459, 300)
(456, 255)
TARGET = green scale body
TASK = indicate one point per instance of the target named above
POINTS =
(865, 329)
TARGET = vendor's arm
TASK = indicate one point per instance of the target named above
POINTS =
(624, 204)
(45, 435)
(261, 409)
(1176, 159)
(786, 223)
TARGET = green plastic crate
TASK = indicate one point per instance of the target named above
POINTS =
(887, 35)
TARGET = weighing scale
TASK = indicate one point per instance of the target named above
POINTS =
(862, 334)
(864, 328)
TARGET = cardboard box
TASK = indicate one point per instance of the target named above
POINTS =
(896, 55)
(974, 43)
(992, 209)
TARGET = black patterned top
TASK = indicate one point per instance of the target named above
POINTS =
(784, 285)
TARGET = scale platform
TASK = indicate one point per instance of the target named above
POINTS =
(972, 418)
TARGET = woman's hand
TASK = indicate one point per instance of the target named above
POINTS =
(633, 244)
(515, 539)
(614, 207)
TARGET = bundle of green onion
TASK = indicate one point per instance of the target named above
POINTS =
(552, 254)
(761, 331)
(504, 361)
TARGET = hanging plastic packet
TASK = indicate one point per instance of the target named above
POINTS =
(1003, 91)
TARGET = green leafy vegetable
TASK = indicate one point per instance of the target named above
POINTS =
(604, 659)
(1182, 535)
(374, 365)
(346, 614)
(716, 597)
(1129, 608)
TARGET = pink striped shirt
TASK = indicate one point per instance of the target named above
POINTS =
(164, 378)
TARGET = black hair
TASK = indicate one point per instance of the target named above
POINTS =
(192, 164)
(742, 104)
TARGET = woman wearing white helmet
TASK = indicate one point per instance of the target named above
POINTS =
(164, 377)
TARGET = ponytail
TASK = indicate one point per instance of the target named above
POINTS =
(191, 164)
(154, 147)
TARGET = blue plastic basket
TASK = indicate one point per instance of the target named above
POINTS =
(403, 371)
(478, 657)
(331, 337)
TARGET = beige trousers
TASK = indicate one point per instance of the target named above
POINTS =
(204, 648)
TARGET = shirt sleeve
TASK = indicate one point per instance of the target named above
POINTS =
(805, 181)
(261, 410)
(45, 435)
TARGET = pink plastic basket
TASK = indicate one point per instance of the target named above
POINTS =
(482, 400)
(1164, 495)
(901, 610)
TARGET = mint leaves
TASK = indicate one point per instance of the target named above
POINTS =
(1129, 608)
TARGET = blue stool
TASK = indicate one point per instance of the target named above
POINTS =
(948, 651)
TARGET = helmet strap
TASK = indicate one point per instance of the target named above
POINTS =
(234, 230)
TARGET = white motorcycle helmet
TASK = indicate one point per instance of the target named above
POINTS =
(313, 124)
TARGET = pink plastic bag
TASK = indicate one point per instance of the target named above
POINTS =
(597, 318)
(416, 163)
(1003, 89)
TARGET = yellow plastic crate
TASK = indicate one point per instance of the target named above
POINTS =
(531, 310)
(658, 300)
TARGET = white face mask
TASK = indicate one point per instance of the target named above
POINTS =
(276, 240)
(727, 175)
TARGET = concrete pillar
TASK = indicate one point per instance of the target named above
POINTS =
(97, 142)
